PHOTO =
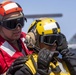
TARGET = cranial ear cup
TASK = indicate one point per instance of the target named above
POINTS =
(30, 37)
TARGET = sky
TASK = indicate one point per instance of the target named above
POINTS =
(67, 7)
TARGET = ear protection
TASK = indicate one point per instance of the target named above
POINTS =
(30, 40)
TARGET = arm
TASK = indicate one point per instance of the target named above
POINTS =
(23, 71)
(70, 60)
(17, 65)
(45, 56)
(68, 55)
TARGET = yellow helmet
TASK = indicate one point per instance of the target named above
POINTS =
(44, 26)
(46, 30)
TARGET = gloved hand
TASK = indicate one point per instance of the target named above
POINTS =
(69, 56)
(23, 71)
(64, 43)
(66, 53)
(44, 58)
(17, 64)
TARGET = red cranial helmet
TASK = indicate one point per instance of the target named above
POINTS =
(9, 7)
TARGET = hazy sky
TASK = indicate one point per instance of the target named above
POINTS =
(66, 7)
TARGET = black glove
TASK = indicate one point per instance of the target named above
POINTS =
(23, 71)
(17, 64)
(44, 58)
(64, 43)
(66, 53)
(69, 56)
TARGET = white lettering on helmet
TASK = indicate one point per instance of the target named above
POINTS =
(10, 6)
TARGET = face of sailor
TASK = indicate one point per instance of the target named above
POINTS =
(12, 34)
(50, 47)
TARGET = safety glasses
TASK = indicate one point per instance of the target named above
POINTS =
(12, 23)
(51, 39)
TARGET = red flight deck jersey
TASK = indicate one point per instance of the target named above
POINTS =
(8, 52)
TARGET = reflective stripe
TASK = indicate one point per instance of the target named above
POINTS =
(10, 6)
(49, 26)
(23, 39)
(62, 68)
(8, 48)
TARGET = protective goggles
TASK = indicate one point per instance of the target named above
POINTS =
(13, 23)
(51, 39)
